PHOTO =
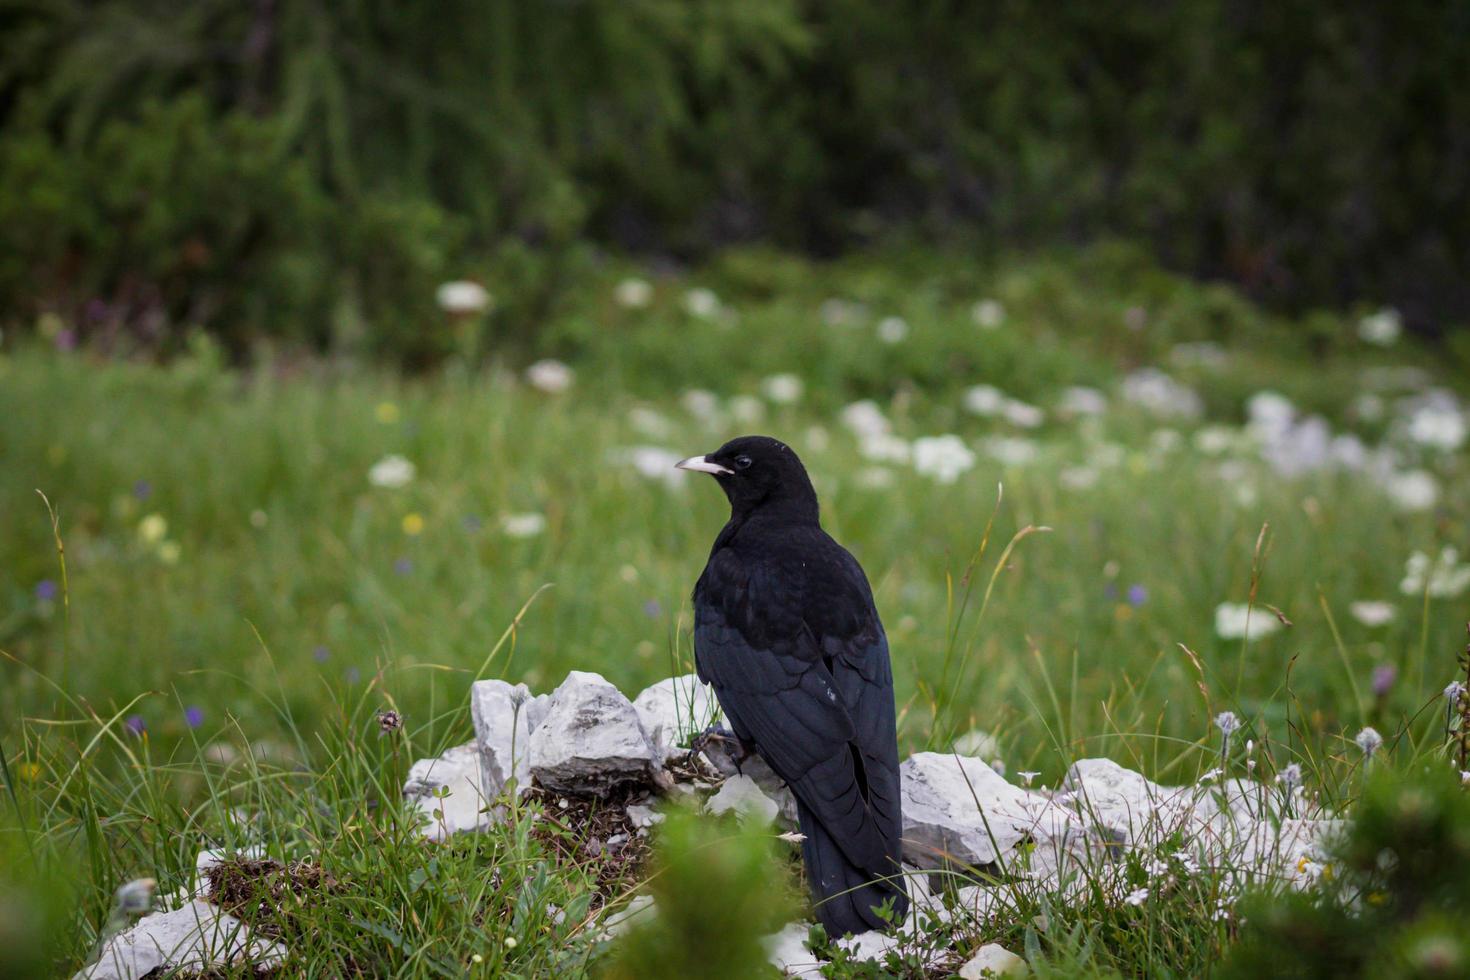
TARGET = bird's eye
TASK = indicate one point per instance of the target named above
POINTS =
(742, 462)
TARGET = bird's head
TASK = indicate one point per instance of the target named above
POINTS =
(759, 472)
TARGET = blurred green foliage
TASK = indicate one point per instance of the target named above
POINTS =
(1394, 900)
(717, 889)
(309, 171)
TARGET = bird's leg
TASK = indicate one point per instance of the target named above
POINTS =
(735, 747)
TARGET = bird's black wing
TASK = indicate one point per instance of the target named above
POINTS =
(798, 659)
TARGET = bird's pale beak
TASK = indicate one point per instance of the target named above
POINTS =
(703, 464)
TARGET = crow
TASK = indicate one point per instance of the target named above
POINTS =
(786, 633)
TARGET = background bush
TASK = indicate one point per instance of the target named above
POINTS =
(307, 171)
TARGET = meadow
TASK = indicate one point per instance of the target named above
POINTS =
(1099, 505)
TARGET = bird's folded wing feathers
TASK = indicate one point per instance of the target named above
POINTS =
(808, 722)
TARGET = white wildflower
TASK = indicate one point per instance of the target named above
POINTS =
(1081, 400)
(1136, 897)
(783, 389)
(633, 293)
(942, 457)
(462, 297)
(1215, 440)
(650, 462)
(1020, 414)
(1369, 407)
(392, 472)
(1078, 477)
(702, 303)
(881, 447)
(893, 329)
(650, 422)
(988, 314)
(550, 376)
(1442, 578)
(986, 400)
(1372, 612)
(838, 312)
(1028, 777)
(1009, 451)
(1382, 328)
(1291, 776)
(1160, 394)
(1369, 741)
(1234, 621)
(703, 405)
(1228, 723)
(1437, 424)
(865, 418)
(1269, 412)
(747, 409)
(1453, 692)
(526, 525)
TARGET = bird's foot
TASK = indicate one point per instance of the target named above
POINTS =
(725, 743)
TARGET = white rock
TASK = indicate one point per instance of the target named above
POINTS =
(504, 716)
(639, 910)
(868, 945)
(1129, 808)
(993, 960)
(590, 739)
(643, 817)
(674, 710)
(447, 790)
(787, 952)
(741, 795)
(959, 810)
(196, 938)
(722, 753)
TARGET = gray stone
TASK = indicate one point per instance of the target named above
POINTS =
(993, 960)
(639, 910)
(504, 716)
(741, 795)
(959, 811)
(590, 739)
(447, 790)
(1129, 808)
(194, 939)
(787, 952)
(674, 710)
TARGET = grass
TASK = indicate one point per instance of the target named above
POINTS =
(234, 585)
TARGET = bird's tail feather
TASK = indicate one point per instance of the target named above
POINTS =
(847, 897)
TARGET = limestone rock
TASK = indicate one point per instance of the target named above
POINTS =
(197, 938)
(447, 790)
(504, 716)
(787, 952)
(957, 810)
(741, 795)
(674, 710)
(590, 739)
(993, 960)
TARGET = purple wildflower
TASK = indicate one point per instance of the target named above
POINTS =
(193, 716)
(403, 566)
(142, 489)
(46, 590)
(66, 339)
(135, 724)
(320, 653)
(353, 675)
(1137, 595)
(652, 609)
(1383, 677)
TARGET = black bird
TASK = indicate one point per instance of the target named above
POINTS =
(786, 632)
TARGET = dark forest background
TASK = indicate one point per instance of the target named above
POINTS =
(280, 168)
